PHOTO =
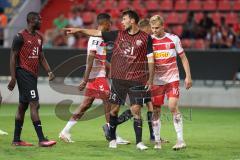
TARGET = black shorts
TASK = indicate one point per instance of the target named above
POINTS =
(27, 86)
(121, 88)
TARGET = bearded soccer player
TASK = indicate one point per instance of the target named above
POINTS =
(143, 25)
(26, 55)
(166, 48)
(94, 80)
(131, 52)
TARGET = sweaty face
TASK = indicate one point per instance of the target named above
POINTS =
(107, 25)
(36, 22)
(157, 29)
(126, 22)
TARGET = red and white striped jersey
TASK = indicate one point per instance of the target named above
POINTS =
(97, 45)
(165, 50)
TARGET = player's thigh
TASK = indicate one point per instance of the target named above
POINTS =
(98, 88)
(27, 86)
(119, 90)
(173, 95)
(158, 95)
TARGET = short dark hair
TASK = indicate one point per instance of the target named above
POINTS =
(31, 15)
(144, 23)
(132, 14)
(103, 17)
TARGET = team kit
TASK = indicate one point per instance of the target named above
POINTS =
(141, 65)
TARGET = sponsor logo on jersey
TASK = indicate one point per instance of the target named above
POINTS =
(161, 54)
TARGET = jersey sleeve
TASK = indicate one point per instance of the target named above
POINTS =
(149, 47)
(110, 36)
(17, 42)
(178, 45)
(93, 43)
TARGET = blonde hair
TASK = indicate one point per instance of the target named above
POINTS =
(156, 18)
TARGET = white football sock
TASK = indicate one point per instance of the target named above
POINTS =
(156, 129)
(178, 125)
(69, 125)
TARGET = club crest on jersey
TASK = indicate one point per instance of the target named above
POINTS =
(39, 41)
(138, 42)
(167, 45)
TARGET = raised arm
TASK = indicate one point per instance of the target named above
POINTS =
(89, 32)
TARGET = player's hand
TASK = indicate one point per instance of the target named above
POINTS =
(70, 30)
(51, 76)
(12, 84)
(148, 85)
(82, 85)
(188, 82)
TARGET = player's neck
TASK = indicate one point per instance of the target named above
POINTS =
(31, 30)
(134, 29)
(160, 35)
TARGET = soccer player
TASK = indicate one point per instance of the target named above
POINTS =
(1, 131)
(94, 80)
(26, 55)
(132, 49)
(143, 25)
(166, 48)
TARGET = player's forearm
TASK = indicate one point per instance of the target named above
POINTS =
(186, 67)
(91, 32)
(89, 65)
(13, 65)
(45, 65)
(151, 68)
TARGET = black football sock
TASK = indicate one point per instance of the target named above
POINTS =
(149, 119)
(17, 130)
(113, 126)
(38, 129)
(126, 115)
(138, 129)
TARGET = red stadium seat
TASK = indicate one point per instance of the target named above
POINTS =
(186, 43)
(178, 30)
(166, 5)
(195, 5)
(224, 5)
(198, 16)
(93, 4)
(172, 18)
(108, 5)
(152, 5)
(199, 44)
(209, 5)
(231, 18)
(182, 17)
(181, 5)
(115, 13)
(236, 5)
(88, 17)
(123, 5)
(216, 18)
(137, 4)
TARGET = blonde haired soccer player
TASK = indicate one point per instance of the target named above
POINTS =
(166, 48)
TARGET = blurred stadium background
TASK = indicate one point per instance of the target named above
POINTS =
(210, 34)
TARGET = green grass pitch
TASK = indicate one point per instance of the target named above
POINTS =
(210, 134)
